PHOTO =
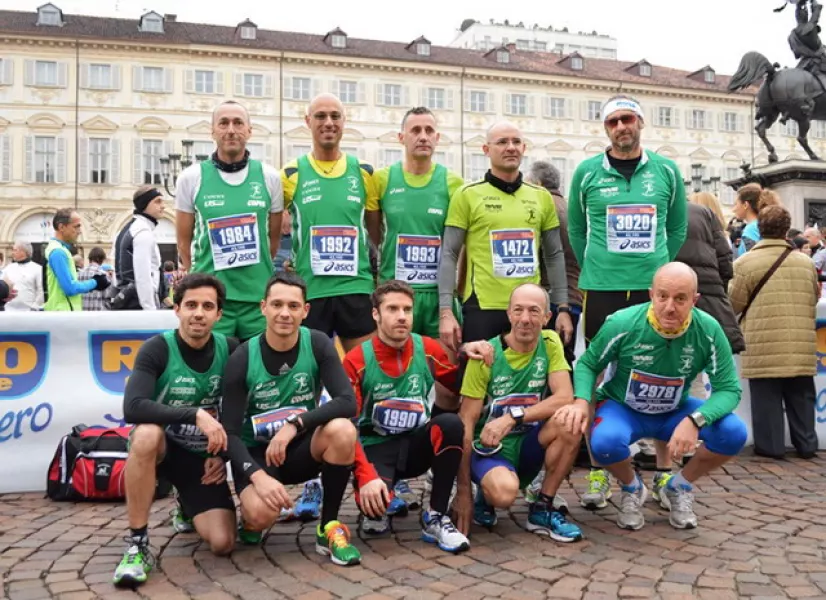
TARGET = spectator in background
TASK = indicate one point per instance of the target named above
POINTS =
(706, 251)
(27, 278)
(778, 321)
(793, 233)
(62, 286)
(816, 250)
(79, 263)
(95, 300)
(138, 256)
(801, 244)
(750, 199)
(281, 261)
(545, 174)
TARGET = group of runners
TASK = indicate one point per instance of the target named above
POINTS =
(450, 371)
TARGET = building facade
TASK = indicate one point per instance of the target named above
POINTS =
(89, 106)
(476, 35)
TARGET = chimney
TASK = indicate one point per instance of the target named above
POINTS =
(170, 18)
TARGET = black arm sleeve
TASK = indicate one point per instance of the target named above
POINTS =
(334, 378)
(4, 290)
(233, 409)
(139, 403)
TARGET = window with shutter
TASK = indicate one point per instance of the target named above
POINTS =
(152, 150)
(45, 73)
(152, 79)
(60, 171)
(114, 162)
(6, 71)
(5, 158)
(99, 161)
(204, 82)
(100, 77)
(478, 101)
(517, 104)
(83, 161)
(348, 91)
(29, 152)
(44, 159)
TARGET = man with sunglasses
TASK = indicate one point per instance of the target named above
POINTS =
(507, 411)
(626, 218)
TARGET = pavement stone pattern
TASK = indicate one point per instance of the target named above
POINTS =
(762, 535)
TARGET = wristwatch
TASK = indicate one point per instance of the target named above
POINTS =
(563, 309)
(518, 414)
(295, 420)
(698, 419)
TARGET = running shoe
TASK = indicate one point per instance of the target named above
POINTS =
(599, 490)
(439, 529)
(135, 565)
(546, 520)
(308, 505)
(334, 541)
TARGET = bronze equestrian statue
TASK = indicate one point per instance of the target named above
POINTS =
(799, 93)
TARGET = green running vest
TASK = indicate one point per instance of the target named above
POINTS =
(393, 405)
(273, 398)
(231, 239)
(58, 300)
(330, 250)
(180, 385)
(414, 222)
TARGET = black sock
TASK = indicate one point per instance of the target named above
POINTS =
(445, 465)
(593, 468)
(664, 470)
(140, 534)
(544, 498)
(334, 480)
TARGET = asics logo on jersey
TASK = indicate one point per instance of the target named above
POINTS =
(214, 203)
(435, 211)
(635, 245)
(308, 199)
(395, 191)
(307, 184)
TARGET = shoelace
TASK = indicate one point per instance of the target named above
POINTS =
(143, 551)
(312, 493)
(339, 536)
(444, 522)
(403, 488)
(596, 481)
(685, 501)
(630, 501)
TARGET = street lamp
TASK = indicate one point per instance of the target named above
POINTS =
(175, 163)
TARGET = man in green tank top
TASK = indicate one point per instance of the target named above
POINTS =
(509, 432)
(327, 193)
(173, 396)
(228, 220)
(278, 432)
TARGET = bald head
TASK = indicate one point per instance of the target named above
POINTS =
(673, 294)
(812, 235)
(502, 128)
(529, 310)
(325, 102)
(533, 292)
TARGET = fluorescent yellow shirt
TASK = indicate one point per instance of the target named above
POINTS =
(510, 225)
(289, 178)
(477, 374)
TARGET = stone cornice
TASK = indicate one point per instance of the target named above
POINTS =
(600, 86)
(783, 172)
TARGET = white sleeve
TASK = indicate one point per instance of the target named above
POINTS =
(143, 247)
(273, 178)
(38, 286)
(189, 183)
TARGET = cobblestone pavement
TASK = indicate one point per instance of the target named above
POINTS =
(761, 535)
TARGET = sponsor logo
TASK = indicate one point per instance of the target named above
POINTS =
(356, 199)
(113, 356)
(435, 211)
(213, 203)
(606, 180)
(414, 385)
(24, 359)
(648, 188)
(256, 204)
(635, 245)
(687, 364)
(214, 385)
(531, 215)
(302, 383)
(309, 199)
(307, 184)
(540, 367)
(256, 190)
(102, 470)
(609, 192)
(353, 185)
(395, 191)
(497, 208)
(643, 359)
(648, 175)
(643, 347)
(16, 423)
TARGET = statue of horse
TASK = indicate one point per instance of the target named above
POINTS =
(786, 94)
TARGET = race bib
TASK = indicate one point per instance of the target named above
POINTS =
(513, 252)
(631, 228)
(334, 250)
(190, 436)
(267, 424)
(397, 415)
(234, 241)
(500, 406)
(417, 258)
(653, 394)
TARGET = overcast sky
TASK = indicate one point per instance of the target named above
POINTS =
(685, 34)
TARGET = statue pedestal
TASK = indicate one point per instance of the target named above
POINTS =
(801, 185)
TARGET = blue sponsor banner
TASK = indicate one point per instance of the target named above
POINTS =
(112, 356)
(24, 361)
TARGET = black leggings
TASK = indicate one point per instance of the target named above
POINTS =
(436, 446)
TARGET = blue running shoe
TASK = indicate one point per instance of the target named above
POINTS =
(483, 513)
(308, 505)
(403, 491)
(546, 520)
(397, 507)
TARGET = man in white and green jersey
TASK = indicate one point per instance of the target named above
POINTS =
(228, 220)
(626, 218)
(503, 221)
(653, 352)
(327, 193)
(172, 397)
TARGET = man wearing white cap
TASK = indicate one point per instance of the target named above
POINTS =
(626, 219)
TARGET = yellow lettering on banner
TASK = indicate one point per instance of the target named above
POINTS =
(119, 353)
(26, 358)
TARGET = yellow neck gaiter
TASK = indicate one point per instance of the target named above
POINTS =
(669, 335)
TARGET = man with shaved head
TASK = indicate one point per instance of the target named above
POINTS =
(327, 193)
(510, 434)
(503, 221)
(228, 220)
(655, 350)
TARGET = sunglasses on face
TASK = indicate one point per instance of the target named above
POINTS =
(624, 119)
